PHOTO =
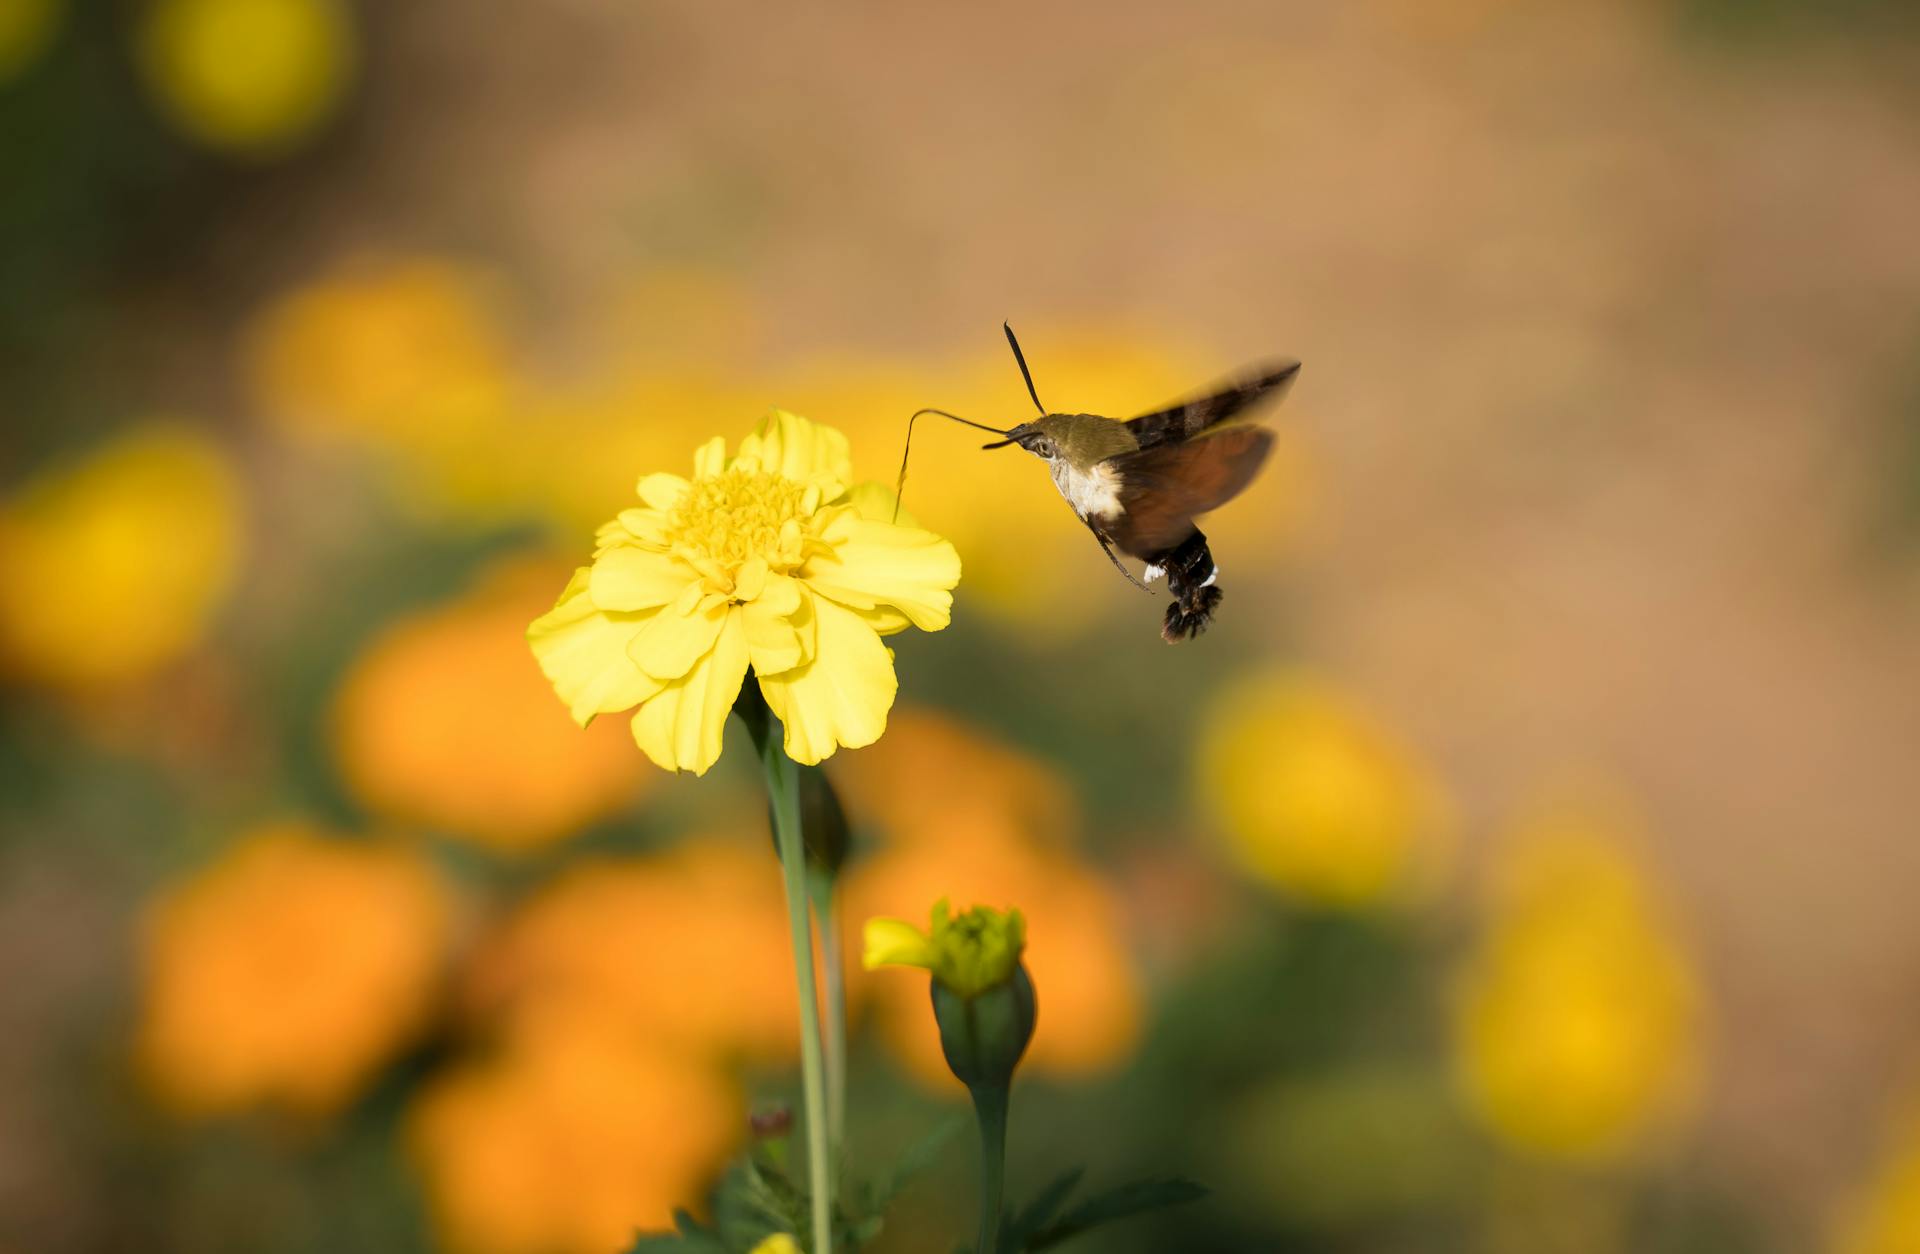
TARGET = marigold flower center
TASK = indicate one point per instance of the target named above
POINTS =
(740, 514)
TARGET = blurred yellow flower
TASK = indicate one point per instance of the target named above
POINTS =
(26, 28)
(778, 1243)
(1577, 1020)
(112, 565)
(405, 352)
(287, 971)
(1884, 1218)
(685, 949)
(568, 1143)
(248, 76)
(1317, 798)
(446, 724)
(770, 559)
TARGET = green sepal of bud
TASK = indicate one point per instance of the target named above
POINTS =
(984, 1035)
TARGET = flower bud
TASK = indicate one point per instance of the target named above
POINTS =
(823, 823)
(983, 1036)
(983, 999)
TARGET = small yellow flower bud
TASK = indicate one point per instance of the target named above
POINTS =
(983, 999)
(968, 955)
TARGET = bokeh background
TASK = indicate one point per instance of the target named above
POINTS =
(1525, 862)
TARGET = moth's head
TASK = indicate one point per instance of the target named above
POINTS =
(1037, 437)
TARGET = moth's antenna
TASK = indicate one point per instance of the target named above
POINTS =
(1024, 373)
(900, 485)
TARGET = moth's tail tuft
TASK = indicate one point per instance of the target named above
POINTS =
(1187, 619)
(1191, 573)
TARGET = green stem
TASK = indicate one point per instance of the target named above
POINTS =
(990, 1110)
(826, 907)
(783, 786)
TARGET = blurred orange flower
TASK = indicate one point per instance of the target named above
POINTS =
(287, 971)
(446, 723)
(930, 774)
(1578, 1019)
(1316, 797)
(687, 949)
(114, 564)
(567, 1142)
(249, 76)
(1002, 836)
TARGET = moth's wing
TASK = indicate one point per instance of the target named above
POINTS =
(1163, 488)
(1191, 418)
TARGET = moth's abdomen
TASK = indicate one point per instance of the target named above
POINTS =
(1192, 577)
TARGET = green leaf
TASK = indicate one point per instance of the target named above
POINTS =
(1022, 1226)
(691, 1237)
(1118, 1203)
(917, 1158)
(756, 1199)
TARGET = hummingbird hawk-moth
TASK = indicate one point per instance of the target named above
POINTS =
(1139, 483)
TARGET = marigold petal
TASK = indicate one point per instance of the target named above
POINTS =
(681, 728)
(710, 458)
(774, 640)
(662, 491)
(583, 653)
(895, 943)
(876, 501)
(787, 444)
(842, 696)
(636, 579)
(876, 564)
(668, 644)
(647, 528)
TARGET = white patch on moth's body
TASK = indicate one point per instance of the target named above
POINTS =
(1153, 572)
(1094, 494)
(1210, 578)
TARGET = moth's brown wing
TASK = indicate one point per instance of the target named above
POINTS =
(1187, 420)
(1162, 489)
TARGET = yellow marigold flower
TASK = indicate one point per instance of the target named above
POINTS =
(112, 566)
(1315, 797)
(248, 76)
(445, 724)
(1884, 1218)
(1577, 1020)
(969, 953)
(568, 1143)
(767, 559)
(684, 949)
(287, 971)
(26, 28)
